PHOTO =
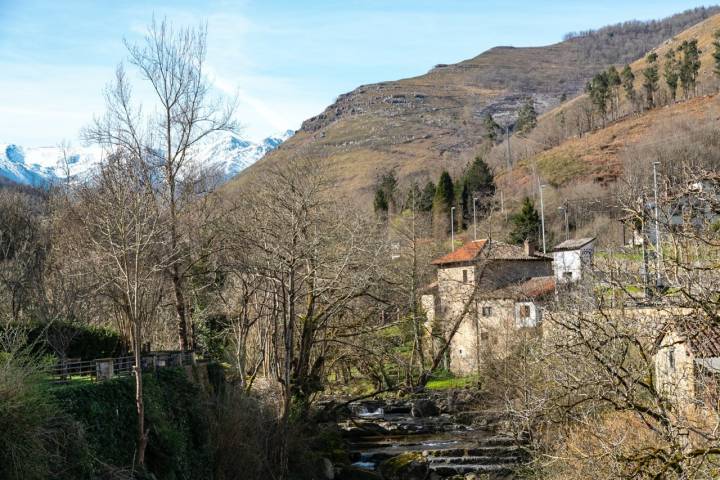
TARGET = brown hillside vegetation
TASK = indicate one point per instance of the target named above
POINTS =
(564, 154)
(425, 124)
(599, 156)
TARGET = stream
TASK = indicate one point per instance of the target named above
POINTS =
(449, 440)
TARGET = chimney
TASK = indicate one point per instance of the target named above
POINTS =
(529, 246)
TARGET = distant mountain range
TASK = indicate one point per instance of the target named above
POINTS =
(41, 166)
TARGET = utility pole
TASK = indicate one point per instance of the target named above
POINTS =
(646, 273)
(502, 205)
(567, 223)
(507, 138)
(452, 228)
(474, 220)
(658, 248)
(542, 217)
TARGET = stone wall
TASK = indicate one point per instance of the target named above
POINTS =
(676, 381)
(489, 331)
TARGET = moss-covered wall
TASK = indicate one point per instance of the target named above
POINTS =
(177, 414)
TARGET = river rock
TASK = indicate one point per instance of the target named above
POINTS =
(408, 466)
(424, 407)
(328, 469)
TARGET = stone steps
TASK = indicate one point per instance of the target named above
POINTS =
(494, 460)
(448, 470)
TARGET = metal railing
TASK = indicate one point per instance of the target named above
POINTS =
(106, 368)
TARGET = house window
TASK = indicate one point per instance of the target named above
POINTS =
(524, 311)
(486, 311)
(671, 358)
(567, 275)
(484, 336)
(465, 276)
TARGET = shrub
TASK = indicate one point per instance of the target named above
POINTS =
(25, 415)
(179, 445)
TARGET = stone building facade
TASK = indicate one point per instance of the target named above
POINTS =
(489, 291)
(687, 361)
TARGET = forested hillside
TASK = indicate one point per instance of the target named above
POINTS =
(437, 121)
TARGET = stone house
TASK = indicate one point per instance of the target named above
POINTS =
(571, 257)
(483, 289)
(687, 361)
(497, 320)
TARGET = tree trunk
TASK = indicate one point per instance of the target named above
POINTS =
(140, 406)
(180, 309)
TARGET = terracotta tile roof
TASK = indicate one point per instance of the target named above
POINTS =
(487, 249)
(466, 253)
(701, 334)
(531, 289)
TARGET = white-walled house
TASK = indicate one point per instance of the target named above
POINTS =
(571, 257)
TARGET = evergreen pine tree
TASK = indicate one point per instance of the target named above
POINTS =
(413, 197)
(628, 82)
(672, 73)
(716, 53)
(385, 192)
(380, 202)
(491, 128)
(650, 79)
(614, 83)
(599, 91)
(689, 66)
(426, 199)
(479, 182)
(527, 117)
(525, 223)
(442, 201)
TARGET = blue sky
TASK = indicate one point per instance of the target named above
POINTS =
(285, 59)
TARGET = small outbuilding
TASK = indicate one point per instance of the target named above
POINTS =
(571, 257)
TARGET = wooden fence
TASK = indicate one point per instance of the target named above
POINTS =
(107, 368)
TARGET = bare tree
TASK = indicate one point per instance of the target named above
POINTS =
(182, 115)
(22, 252)
(121, 243)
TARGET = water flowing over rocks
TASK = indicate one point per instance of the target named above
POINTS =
(432, 436)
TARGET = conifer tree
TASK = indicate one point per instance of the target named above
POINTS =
(385, 193)
(492, 128)
(672, 73)
(426, 199)
(614, 83)
(689, 66)
(479, 182)
(599, 91)
(650, 79)
(628, 82)
(412, 199)
(525, 223)
(716, 53)
(527, 117)
(442, 202)
(380, 202)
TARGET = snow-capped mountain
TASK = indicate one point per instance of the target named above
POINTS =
(232, 154)
(41, 166)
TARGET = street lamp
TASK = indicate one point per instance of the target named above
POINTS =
(542, 217)
(474, 220)
(564, 209)
(452, 228)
